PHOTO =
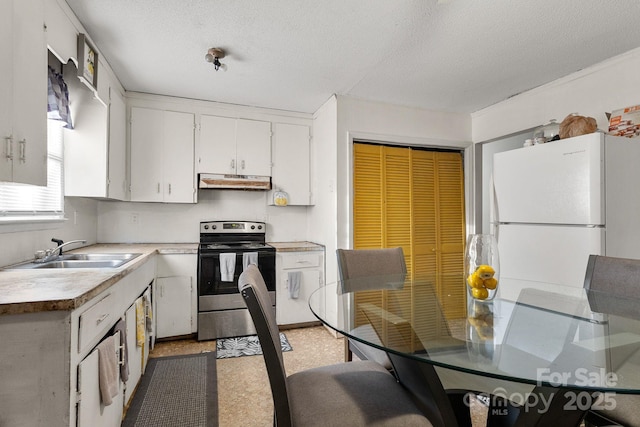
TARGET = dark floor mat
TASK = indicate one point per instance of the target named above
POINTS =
(176, 391)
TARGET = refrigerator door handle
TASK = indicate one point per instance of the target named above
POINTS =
(495, 223)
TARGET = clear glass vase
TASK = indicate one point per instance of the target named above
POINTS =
(482, 267)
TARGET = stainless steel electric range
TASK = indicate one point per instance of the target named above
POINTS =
(226, 247)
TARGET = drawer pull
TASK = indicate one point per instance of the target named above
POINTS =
(120, 351)
(9, 143)
(23, 150)
(101, 318)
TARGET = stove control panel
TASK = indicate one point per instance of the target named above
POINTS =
(232, 227)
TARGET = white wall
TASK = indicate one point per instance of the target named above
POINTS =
(322, 221)
(19, 242)
(179, 223)
(607, 86)
(373, 121)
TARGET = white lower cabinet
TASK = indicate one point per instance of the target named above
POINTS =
(306, 267)
(91, 411)
(173, 306)
(130, 300)
(175, 292)
(135, 354)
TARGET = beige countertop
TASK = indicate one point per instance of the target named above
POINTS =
(296, 246)
(33, 290)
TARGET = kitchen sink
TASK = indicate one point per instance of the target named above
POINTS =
(96, 257)
(82, 261)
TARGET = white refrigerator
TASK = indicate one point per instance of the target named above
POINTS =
(557, 203)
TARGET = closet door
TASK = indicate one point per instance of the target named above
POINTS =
(414, 199)
(368, 220)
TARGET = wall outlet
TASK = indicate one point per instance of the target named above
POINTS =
(135, 218)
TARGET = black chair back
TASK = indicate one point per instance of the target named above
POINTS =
(254, 291)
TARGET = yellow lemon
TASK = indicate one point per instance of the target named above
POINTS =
(490, 283)
(485, 271)
(480, 293)
(475, 281)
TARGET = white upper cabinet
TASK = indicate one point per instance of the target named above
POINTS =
(61, 35)
(23, 72)
(234, 146)
(95, 150)
(117, 174)
(162, 144)
(291, 162)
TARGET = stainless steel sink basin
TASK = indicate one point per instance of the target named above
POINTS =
(98, 257)
(82, 261)
(107, 263)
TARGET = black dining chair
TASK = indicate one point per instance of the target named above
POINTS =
(613, 287)
(347, 394)
(370, 269)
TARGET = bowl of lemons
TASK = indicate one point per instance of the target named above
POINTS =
(482, 267)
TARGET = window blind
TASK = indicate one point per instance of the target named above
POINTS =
(21, 201)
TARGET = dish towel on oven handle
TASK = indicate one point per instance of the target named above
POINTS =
(227, 266)
(249, 258)
(294, 278)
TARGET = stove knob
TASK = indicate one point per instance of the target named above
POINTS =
(214, 226)
(253, 227)
(259, 227)
(206, 227)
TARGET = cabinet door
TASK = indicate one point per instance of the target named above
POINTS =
(291, 162)
(253, 147)
(147, 135)
(61, 35)
(217, 145)
(29, 93)
(290, 311)
(117, 188)
(179, 179)
(182, 265)
(6, 91)
(173, 306)
(91, 410)
(135, 354)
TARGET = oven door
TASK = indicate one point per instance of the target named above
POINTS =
(210, 278)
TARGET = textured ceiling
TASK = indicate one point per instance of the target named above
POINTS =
(446, 55)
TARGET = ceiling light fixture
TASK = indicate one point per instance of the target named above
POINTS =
(214, 55)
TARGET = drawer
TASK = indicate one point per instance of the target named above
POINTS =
(302, 260)
(95, 321)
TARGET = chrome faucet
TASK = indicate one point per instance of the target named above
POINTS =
(50, 254)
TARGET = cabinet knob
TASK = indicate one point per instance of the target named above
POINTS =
(242, 165)
(233, 163)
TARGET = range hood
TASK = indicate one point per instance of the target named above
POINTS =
(234, 182)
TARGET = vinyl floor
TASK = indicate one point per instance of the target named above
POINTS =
(244, 396)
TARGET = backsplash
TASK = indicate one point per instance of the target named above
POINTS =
(81, 223)
(126, 222)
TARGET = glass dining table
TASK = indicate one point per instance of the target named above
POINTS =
(572, 349)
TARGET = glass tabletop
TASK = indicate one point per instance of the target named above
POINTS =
(531, 332)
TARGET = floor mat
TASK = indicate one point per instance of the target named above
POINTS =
(176, 391)
(245, 346)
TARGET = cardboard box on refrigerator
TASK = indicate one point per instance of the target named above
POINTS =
(625, 122)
